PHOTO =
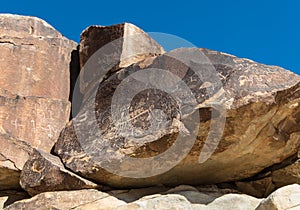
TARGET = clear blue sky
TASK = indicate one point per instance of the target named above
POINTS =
(267, 31)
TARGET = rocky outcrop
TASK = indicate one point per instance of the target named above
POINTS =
(127, 135)
(185, 198)
(34, 90)
(81, 199)
(145, 124)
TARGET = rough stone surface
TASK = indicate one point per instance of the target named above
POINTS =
(287, 197)
(181, 197)
(37, 121)
(123, 44)
(34, 58)
(35, 62)
(14, 154)
(287, 175)
(262, 116)
(9, 197)
(44, 172)
(81, 199)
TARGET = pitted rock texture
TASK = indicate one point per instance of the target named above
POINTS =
(262, 115)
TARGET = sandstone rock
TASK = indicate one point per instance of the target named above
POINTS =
(14, 154)
(287, 197)
(135, 194)
(268, 180)
(234, 201)
(204, 195)
(34, 58)
(44, 172)
(162, 202)
(37, 121)
(80, 199)
(35, 85)
(177, 201)
(260, 188)
(140, 148)
(283, 198)
(115, 47)
(287, 175)
(9, 197)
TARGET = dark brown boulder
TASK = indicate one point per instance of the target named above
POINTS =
(127, 132)
(124, 44)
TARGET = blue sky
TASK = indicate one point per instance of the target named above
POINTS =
(267, 31)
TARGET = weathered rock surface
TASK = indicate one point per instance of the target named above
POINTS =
(115, 46)
(81, 199)
(287, 197)
(35, 120)
(181, 197)
(34, 90)
(287, 175)
(262, 116)
(147, 118)
(44, 172)
(14, 154)
(34, 58)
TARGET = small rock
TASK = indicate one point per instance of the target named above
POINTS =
(287, 197)
(44, 172)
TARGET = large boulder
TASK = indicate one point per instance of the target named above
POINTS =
(140, 126)
(34, 90)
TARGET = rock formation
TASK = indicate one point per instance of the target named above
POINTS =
(34, 90)
(262, 111)
(186, 129)
(182, 199)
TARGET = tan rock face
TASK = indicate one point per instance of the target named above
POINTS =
(262, 111)
(37, 121)
(34, 90)
(14, 154)
(34, 58)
